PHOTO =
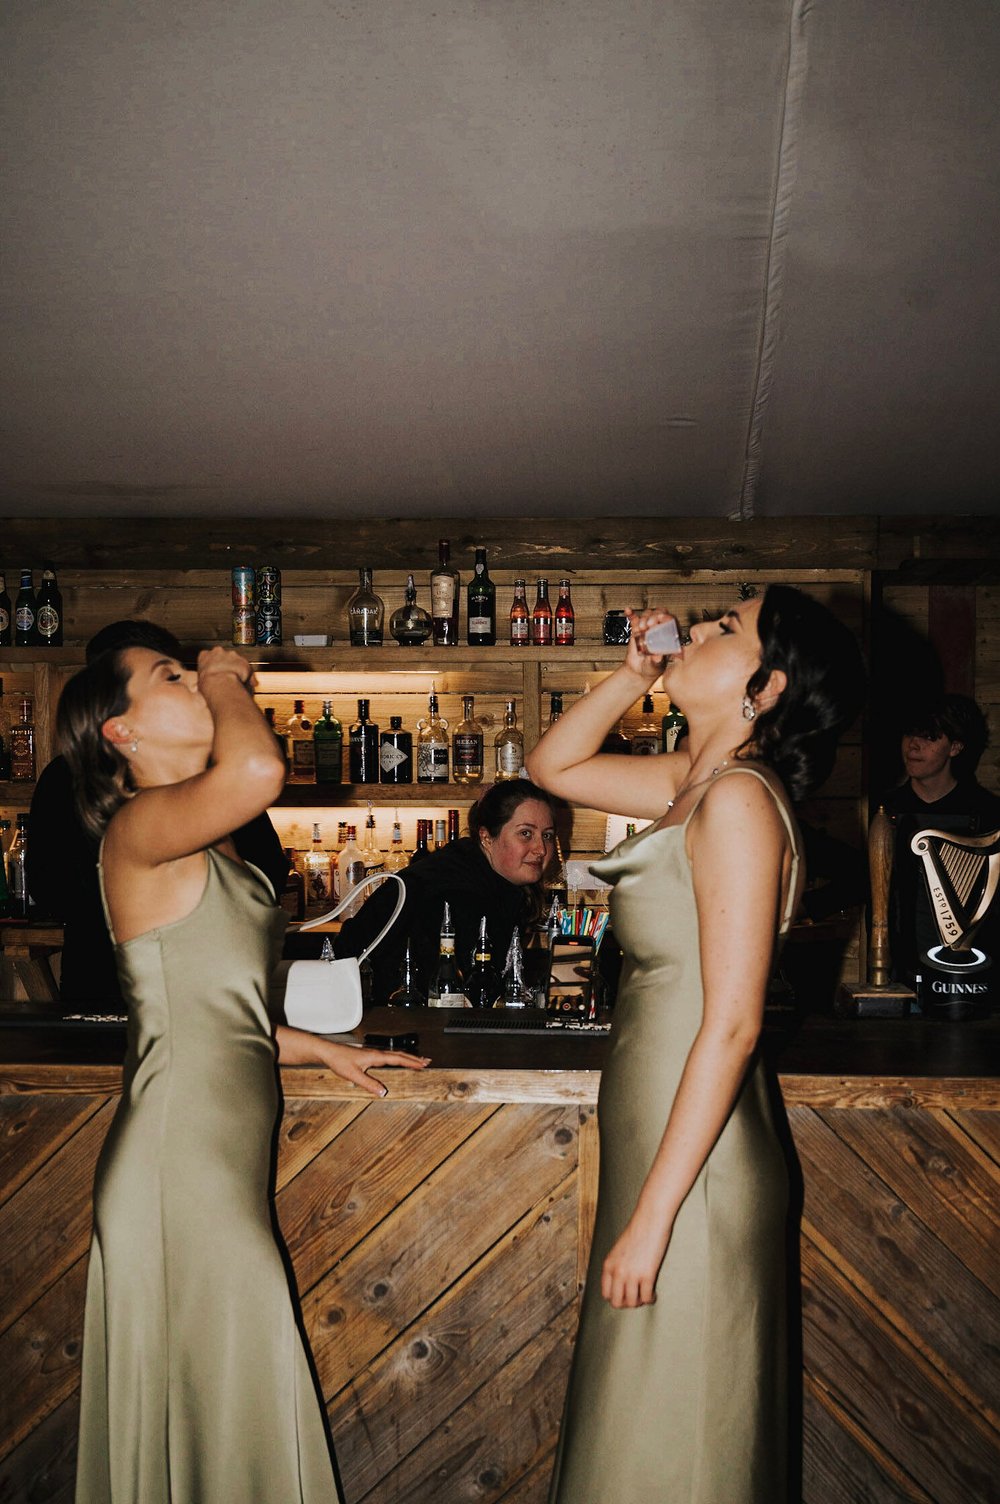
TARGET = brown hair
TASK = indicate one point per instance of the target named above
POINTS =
(102, 778)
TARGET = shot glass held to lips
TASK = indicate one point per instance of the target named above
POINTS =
(663, 639)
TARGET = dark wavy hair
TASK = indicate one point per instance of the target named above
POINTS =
(957, 717)
(499, 803)
(102, 778)
(825, 691)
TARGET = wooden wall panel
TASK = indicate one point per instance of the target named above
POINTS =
(440, 1246)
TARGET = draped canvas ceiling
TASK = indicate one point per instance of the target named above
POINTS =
(444, 257)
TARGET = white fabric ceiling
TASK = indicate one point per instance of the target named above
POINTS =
(448, 257)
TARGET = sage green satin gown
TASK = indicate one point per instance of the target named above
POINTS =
(683, 1401)
(196, 1387)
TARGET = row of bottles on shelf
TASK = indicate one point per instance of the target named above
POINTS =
(315, 752)
(479, 984)
(32, 620)
(14, 900)
(256, 597)
(649, 737)
(319, 876)
(17, 741)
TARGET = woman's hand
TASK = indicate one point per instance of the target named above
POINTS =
(218, 660)
(646, 665)
(628, 1278)
(297, 1047)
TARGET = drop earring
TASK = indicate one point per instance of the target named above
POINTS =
(749, 709)
(133, 745)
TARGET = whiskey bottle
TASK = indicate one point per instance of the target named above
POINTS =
(24, 613)
(445, 584)
(646, 737)
(395, 753)
(482, 605)
(365, 612)
(318, 885)
(432, 745)
(447, 990)
(508, 746)
(565, 624)
(363, 747)
(328, 746)
(485, 988)
(301, 750)
(520, 621)
(467, 745)
(541, 617)
(22, 746)
(409, 624)
(49, 612)
(6, 616)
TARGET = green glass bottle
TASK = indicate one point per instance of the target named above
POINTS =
(328, 742)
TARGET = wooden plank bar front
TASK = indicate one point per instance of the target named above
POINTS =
(440, 1235)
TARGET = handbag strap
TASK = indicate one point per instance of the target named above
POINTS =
(366, 882)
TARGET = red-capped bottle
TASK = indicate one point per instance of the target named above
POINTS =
(565, 617)
(520, 621)
(541, 617)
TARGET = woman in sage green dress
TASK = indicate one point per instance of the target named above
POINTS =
(196, 1385)
(678, 1387)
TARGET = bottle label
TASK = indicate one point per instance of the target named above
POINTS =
(48, 620)
(303, 756)
(4, 619)
(519, 630)
(390, 758)
(24, 618)
(442, 595)
(645, 744)
(468, 752)
(480, 626)
(509, 759)
(564, 630)
(432, 764)
(541, 634)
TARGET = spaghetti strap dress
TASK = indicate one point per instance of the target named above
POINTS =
(682, 1401)
(196, 1387)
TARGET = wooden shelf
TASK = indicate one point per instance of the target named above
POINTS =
(16, 795)
(340, 655)
(349, 794)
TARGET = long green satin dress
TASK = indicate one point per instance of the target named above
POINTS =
(682, 1401)
(196, 1387)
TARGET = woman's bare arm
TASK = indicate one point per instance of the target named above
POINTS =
(739, 848)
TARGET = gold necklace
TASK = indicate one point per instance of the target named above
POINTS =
(686, 788)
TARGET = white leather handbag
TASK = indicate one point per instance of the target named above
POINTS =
(322, 996)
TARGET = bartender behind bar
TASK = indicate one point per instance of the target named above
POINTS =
(62, 857)
(942, 743)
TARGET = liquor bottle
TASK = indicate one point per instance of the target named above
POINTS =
(409, 624)
(293, 895)
(319, 888)
(485, 989)
(565, 627)
(646, 737)
(508, 746)
(440, 834)
(6, 902)
(467, 745)
(6, 616)
(49, 612)
(671, 727)
(371, 851)
(24, 613)
(432, 745)
(408, 994)
(617, 741)
(350, 871)
(445, 584)
(555, 707)
(452, 826)
(516, 992)
(22, 746)
(482, 605)
(363, 747)
(365, 613)
(395, 753)
(335, 857)
(301, 750)
(421, 850)
(520, 621)
(328, 746)
(17, 870)
(541, 617)
(397, 858)
(4, 738)
(447, 990)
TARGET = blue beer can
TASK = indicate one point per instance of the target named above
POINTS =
(269, 624)
(244, 587)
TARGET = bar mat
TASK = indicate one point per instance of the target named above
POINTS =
(505, 1023)
(41, 1020)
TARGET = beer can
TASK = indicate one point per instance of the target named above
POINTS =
(244, 627)
(244, 597)
(268, 583)
(269, 624)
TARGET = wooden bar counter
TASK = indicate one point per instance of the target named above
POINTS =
(440, 1235)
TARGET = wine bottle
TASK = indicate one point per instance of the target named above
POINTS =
(445, 583)
(482, 605)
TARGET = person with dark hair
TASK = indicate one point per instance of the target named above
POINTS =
(942, 742)
(678, 1388)
(62, 856)
(195, 1380)
(496, 870)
